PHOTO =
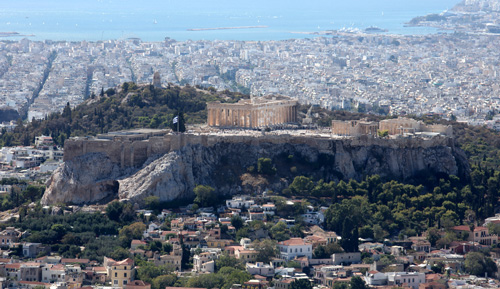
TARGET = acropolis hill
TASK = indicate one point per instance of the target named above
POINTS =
(136, 164)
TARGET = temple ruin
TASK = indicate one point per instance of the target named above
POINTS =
(395, 127)
(253, 113)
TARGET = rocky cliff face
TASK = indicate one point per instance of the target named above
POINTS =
(86, 179)
(93, 177)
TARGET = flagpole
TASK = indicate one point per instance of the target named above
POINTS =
(178, 120)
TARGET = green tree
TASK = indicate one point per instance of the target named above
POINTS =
(478, 264)
(301, 284)
(301, 186)
(325, 252)
(349, 239)
(205, 196)
(233, 276)
(433, 236)
(114, 210)
(152, 203)
(266, 248)
(279, 232)
(207, 281)
(265, 166)
(237, 222)
(227, 261)
(120, 254)
(163, 281)
(131, 232)
(59, 230)
(147, 271)
(357, 283)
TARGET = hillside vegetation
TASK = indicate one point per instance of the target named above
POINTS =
(130, 107)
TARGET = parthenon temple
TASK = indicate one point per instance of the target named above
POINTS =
(253, 113)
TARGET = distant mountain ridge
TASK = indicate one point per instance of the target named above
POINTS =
(478, 5)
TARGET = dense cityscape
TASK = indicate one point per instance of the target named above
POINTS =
(446, 74)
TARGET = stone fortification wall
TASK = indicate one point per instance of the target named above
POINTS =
(136, 153)
(125, 153)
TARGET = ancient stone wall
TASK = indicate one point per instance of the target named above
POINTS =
(135, 154)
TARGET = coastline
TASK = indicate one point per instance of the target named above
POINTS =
(14, 34)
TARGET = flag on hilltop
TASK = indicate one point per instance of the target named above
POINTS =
(175, 120)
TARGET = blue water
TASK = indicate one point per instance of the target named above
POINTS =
(154, 20)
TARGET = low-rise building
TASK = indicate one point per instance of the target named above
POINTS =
(260, 268)
(375, 278)
(239, 202)
(294, 247)
(120, 272)
(411, 279)
(205, 262)
(346, 258)
(9, 236)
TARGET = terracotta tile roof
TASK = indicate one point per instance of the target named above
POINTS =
(31, 264)
(294, 242)
(138, 283)
(13, 266)
(138, 242)
(59, 267)
(248, 252)
(99, 269)
(34, 283)
(75, 260)
(461, 228)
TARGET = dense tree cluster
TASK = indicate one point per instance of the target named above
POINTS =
(66, 233)
(476, 263)
(22, 193)
(382, 208)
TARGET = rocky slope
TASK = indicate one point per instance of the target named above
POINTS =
(94, 178)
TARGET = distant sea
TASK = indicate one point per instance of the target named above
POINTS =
(153, 20)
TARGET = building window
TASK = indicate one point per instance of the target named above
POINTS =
(125, 275)
(116, 274)
(116, 282)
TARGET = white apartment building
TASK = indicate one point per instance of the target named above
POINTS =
(261, 269)
(412, 279)
(239, 202)
(295, 247)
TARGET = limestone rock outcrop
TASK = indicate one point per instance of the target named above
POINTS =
(86, 179)
(94, 177)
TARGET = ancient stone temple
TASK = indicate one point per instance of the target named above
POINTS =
(354, 127)
(253, 113)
